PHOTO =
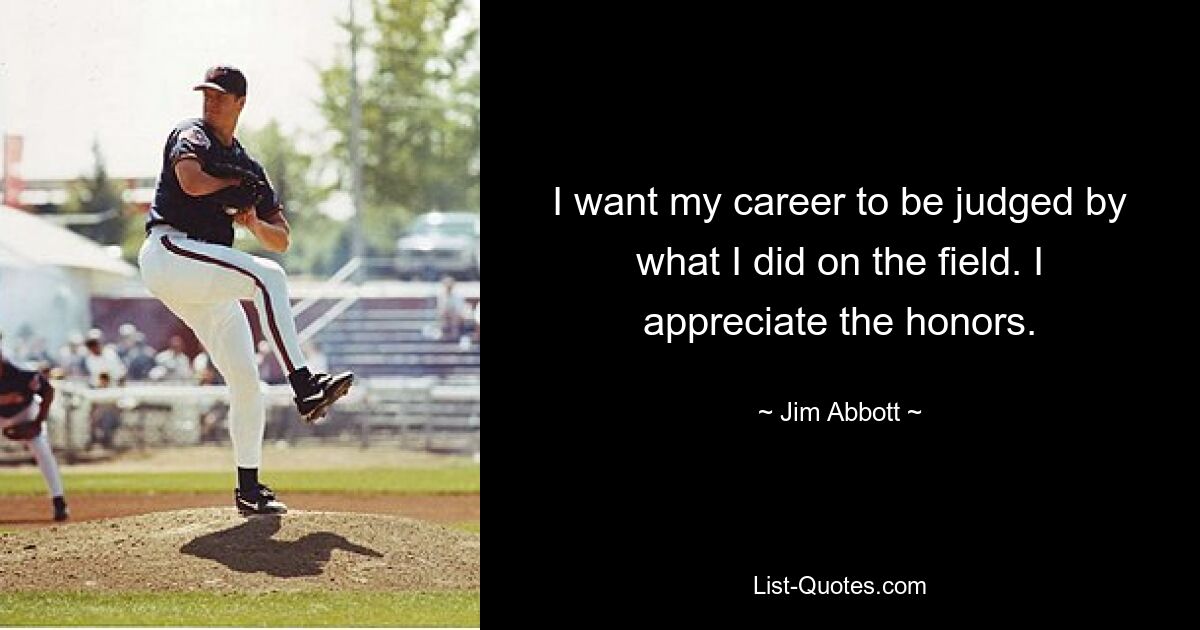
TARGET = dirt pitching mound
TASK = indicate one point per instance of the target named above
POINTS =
(215, 549)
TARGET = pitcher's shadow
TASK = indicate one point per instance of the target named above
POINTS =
(249, 548)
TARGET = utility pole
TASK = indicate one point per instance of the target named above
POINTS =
(359, 248)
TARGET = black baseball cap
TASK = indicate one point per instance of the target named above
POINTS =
(224, 78)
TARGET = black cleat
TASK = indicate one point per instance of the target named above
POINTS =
(262, 502)
(321, 390)
(61, 513)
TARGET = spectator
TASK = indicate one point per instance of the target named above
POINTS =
(450, 306)
(206, 372)
(135, 353)
(173, 364)
(140, 358)
(213, 423)
(125, 340)
(71, 358)
(214, 419)
(104, 419)
(101, 359)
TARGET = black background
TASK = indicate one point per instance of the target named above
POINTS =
(636, 481)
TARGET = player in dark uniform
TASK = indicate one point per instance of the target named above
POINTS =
(209, 182)
(25, 399)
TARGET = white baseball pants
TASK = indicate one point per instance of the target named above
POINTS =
(39, 446)
(202, 283)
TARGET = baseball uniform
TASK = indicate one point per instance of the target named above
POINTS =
(189, 263)
(21, 394)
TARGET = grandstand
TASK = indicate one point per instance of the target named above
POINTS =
(385, 337)
(413, 389)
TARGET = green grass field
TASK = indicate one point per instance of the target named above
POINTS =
(273, 609)
(451, 608)
(456, 480)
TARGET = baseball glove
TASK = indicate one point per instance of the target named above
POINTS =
(23, 431)
(231, 171)
(238, 198)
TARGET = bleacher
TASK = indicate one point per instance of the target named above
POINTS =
(422, 391)
(387, 337)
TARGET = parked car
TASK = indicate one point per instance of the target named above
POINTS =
(438, 244)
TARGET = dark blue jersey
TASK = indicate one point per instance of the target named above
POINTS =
(203, 217)
(17, 388)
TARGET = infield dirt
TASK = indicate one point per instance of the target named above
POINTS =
(215, 549)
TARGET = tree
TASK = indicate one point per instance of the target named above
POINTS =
(100, 197)
(420, 114)
(316, 237)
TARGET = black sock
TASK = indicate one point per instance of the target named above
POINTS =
(299, 380)
(248, 481)
(59, 503)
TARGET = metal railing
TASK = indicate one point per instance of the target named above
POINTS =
(327, 290)
(421, 413)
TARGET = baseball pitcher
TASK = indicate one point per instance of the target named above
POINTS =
(209, 182)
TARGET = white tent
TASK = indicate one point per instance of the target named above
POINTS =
(25, 237)
(47, 275)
